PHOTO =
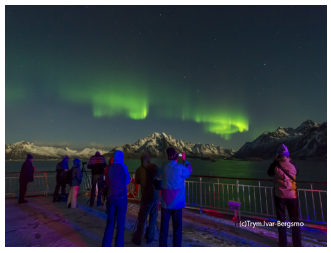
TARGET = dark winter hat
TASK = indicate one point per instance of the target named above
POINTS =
(282, 150)
(97, 153)
(76, 161)
(28, 157)
(172, 155)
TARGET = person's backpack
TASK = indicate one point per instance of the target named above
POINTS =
(68, 176)
(286, 173)
(157, 182)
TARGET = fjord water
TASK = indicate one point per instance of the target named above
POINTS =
(309, 170)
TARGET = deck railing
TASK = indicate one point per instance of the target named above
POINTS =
(208, 192)
(256, 199)
(44, 183)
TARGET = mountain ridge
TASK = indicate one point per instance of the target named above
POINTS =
(309, 140)
(19, 150)
(156, 145)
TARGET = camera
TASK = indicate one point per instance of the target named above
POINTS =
(84, 163)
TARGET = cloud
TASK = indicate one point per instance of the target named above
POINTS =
(59, 144)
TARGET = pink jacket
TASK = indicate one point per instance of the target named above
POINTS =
(284, 186)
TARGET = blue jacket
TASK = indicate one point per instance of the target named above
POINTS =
(76, 176)
(118, 177)
(173, 184)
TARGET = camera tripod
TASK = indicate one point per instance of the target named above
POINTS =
(84, 170)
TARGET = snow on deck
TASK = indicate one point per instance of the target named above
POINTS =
(46, 224)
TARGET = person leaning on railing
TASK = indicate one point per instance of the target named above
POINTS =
(26, 176)
(61, 169)
(284, 173)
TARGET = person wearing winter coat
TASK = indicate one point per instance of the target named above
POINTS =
(97, 164)
(105, 190)
(26, 176)
(284, 173)
(61, 169)
(117, 200)
(76, 180)
(146, 175)
(173, 177)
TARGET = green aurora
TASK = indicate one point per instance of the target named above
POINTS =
(134, 99)
(111, 93)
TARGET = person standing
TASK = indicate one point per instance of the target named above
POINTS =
(97, 164)
(145, 176)
(173, 197)
(117, 200)
(26, 176)
(284, 173)
(61, 169)
(105, 190)
(76, 180)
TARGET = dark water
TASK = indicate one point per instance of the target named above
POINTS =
(315, 171)
(216, 195)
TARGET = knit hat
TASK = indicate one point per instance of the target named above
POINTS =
(76, 161)
(282, 150)
(28, 157)
(172, 155)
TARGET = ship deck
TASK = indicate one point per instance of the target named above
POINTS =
(40, 222)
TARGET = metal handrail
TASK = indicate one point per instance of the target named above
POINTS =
(34, 172)
(256, 179)
(210, 194)
(235, 178)
(310, 208)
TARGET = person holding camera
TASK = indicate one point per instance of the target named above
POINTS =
(173, 196)
(284, 173)
(26, 176)
(61, 170)
(97, 164)
(146, 176)
(75, 173)
(117, 200)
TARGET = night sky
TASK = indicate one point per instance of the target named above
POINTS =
(101, 76)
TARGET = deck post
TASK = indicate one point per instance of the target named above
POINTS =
(200, 194)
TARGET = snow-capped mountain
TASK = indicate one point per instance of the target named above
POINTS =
(309, 140)
(157, 144)
(20, 149)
